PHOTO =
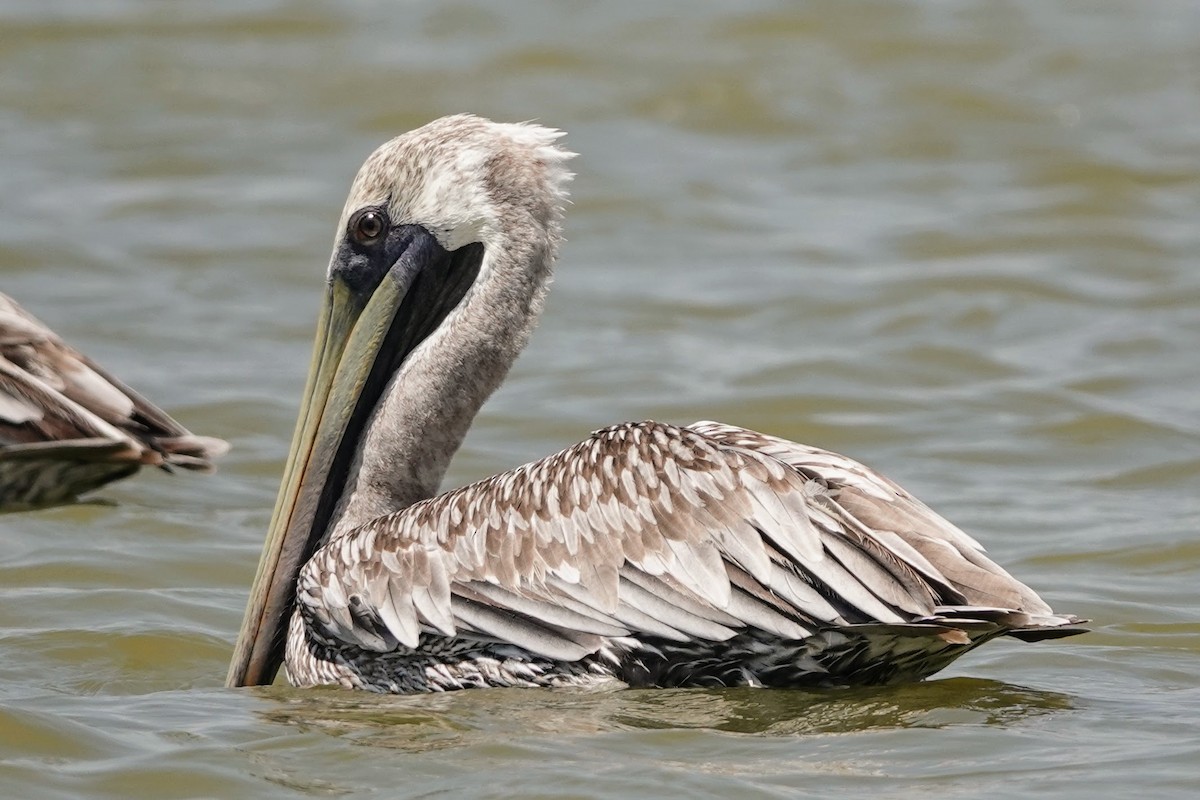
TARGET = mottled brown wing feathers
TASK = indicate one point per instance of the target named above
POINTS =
(53, 396)
(904, 535)
(650, 530)
(33, 413)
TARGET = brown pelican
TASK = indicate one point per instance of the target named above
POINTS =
(648, 554)
(67, 426)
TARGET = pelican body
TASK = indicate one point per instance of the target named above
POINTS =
(649, 554)
(67, 426)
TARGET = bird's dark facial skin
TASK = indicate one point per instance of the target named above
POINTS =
(432, 279)
(371, 246)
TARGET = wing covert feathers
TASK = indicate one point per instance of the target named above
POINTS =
(67, 426)
(660, 532)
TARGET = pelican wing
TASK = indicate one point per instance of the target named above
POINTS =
(57, 403)
(879, 510)
(650, 530)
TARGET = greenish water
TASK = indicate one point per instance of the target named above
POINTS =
(957, 241)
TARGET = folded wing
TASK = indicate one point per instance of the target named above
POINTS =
(66, 425)
(654, 532)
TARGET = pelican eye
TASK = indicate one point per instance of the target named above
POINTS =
(368, 226)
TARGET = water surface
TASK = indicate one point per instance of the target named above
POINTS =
(956, 241)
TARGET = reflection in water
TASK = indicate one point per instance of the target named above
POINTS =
(418, 723)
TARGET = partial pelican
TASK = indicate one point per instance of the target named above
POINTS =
(67, 426)
(649, 554)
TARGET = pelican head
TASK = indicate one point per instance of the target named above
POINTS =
(434, 219)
